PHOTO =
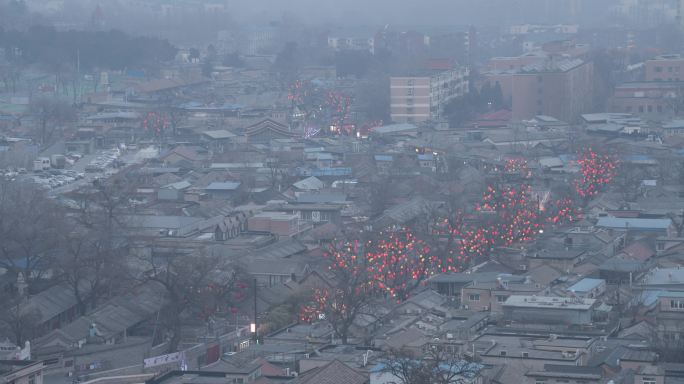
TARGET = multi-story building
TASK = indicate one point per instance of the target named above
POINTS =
(515, 63)
(646, 13)
(422, 98)
(490, 296)
(644, 98)
(551, 310)
(352, 40)
(561, 88)
(524, 29)
(531, 351)
(258, 40)
(665, 68)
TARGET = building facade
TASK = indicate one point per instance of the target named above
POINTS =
(644, 98)
(421, 98)
(665, 68)
(552, 310)
(559, 88)
(352, 43)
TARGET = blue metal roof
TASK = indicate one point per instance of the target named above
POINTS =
(586, 285)
(630, 223)
(567, 158)
(223, 186)
(324, 172)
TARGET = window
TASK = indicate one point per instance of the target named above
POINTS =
(650, 108)
(474, 297)
(32, 379)
(660, 108)
(658, 69)
(539, 381)
(679, 304)
(669, 69)
(660, 246)
(409, 92)
(502, 353)
(525, 355)
(500, 298)
(410, 82)
(641, 109)
(648, 380)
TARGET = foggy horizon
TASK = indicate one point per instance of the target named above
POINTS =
(341, 191)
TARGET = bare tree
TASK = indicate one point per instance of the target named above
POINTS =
(92, 257)
(629, 180)
(350, 297)
(434, 366)
(678, 222)
(276, 173)
(10, 75)
(193, 285)
(91, 265)
(18, 320)
(50, 114)
(30, 229)
(666, 339)
(675, 100)
(379, 195)
(441, 227)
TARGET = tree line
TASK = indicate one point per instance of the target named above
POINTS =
(112, 49)
(86, 246)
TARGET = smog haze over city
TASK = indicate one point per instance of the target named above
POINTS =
(342, 192)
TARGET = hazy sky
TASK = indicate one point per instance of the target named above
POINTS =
(430, 11)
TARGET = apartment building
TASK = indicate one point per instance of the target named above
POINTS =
(352, 39)
(557, 87)
(665, 68)
(421, 98)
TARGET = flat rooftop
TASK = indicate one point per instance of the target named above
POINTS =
(664, 276)
(548, 302)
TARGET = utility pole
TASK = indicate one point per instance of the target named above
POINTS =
(255, 324)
